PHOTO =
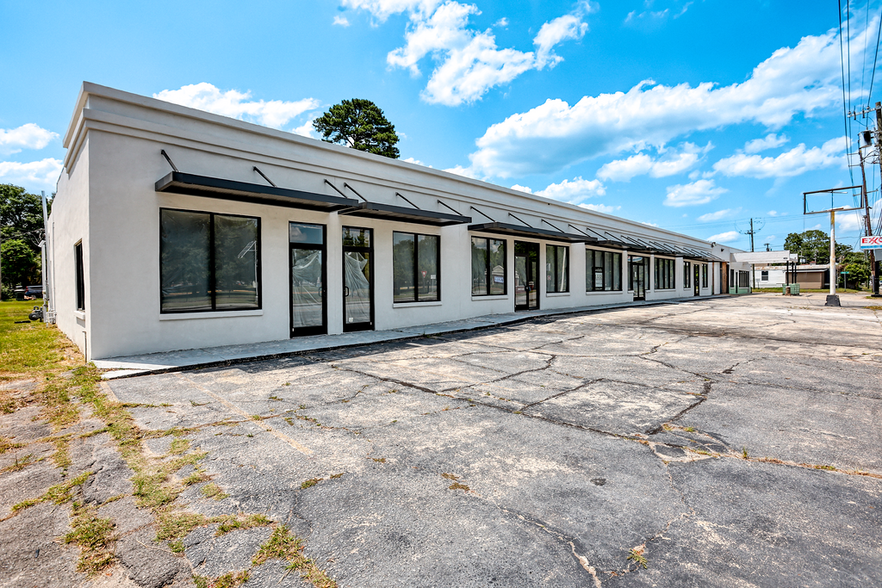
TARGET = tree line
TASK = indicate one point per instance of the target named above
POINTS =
(21, 231)
(813, 246)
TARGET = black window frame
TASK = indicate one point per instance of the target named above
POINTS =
(489, 270)
(212, 278)
(554, 268)
(80, 275)
(589, 275)
(665, 276)
(416, 267)
(687, 274)
(704, 273)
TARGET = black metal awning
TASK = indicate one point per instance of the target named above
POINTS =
(195, 185)
(522, 231)
(404, 214)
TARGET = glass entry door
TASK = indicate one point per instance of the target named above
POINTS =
(638, 276)
(526, 272)
(358, 282)
(696, 285)
(307, 279)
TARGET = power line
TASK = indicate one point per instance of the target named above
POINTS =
(845, 102)
(875, 58)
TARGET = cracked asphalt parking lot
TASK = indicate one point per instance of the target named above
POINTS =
(724, 442)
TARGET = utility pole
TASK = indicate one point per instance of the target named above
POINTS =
(752, 232)
(874, 273)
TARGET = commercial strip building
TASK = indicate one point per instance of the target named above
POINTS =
(174, 228)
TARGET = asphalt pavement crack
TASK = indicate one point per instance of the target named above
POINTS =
(559, 394)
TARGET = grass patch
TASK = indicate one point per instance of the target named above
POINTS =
(178, 446)
(195, 478)
(59, 494)
(233, 522)
(310, 483)
(29, 348)
(61, 457)
(636, 555)
(212, 490)
(458, 486)
(94, 537)
(283, 545)
(177, 525)
(228, 580)
(6, 445)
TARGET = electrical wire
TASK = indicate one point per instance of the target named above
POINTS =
(845, 102)
(875, 59)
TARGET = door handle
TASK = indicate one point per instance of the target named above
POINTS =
(346, 291)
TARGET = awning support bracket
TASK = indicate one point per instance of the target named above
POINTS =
(481, 213)
(408, 201)
(263, 175)
(450, 208)
(336, 189)
(168, 159)
(554, 227)
(577, 229)
(345, 185)
(521, 220)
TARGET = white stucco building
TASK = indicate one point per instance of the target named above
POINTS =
(173, 228)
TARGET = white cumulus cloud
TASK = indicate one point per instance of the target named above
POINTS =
(555, 32)
(34, 175)
(849, 221)
(601, 208)
(669, 164)
(720, 214)
(467, 62)
(522, 188)
(698, 192)
(727, 237)
(27, 136)
(341, 21)
(790, 163)
(573, 191)
(770, 141)
(801, 79)
(235, 104)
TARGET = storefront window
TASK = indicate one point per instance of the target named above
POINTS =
(557, 268)
(603, 271)
(488, 267)
(416, 261)
(208, 261)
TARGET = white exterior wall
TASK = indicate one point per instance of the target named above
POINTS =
(107, 190)
(68, 225)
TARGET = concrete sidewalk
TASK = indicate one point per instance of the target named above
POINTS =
(155, 363)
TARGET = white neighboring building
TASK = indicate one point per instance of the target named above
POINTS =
(173, 228)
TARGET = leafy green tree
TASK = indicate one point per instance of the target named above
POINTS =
(18, 262)
(21, 215)
(856, 264)
(813, 245)
(359, 124)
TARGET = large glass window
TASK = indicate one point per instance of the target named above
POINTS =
(664, 273)
(687, 274)
(416, 261)
(704, 272)
(208, 261)
(557, 268)
(603, 271)
(488, 267)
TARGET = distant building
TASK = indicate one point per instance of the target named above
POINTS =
(807, 276)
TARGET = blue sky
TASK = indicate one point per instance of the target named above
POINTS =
(691, 115)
